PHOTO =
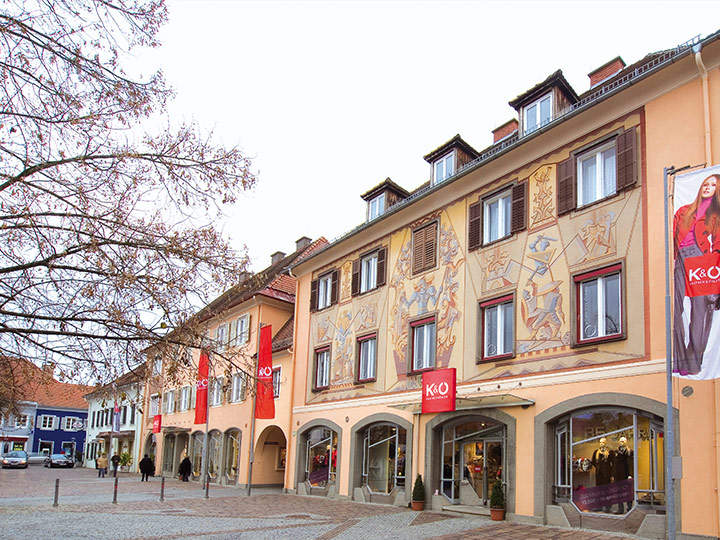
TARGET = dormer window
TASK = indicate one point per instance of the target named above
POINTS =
(537, 114)
(444, 168)
(376, 207)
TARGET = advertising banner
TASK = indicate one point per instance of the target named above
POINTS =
(157, 423)
(438, 390)
(265, 401)
(202, 389)
(696, 275)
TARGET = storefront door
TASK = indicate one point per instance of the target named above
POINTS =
(482, 465)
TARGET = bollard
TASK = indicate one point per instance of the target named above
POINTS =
(57, 491)
(115, 491)
(207, 487)
(162, 489)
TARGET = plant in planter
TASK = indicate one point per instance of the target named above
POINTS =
(497, 502)
(125, 460)
(418, 494)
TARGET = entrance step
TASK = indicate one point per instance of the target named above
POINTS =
(466, 509)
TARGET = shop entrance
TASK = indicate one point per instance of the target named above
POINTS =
(472, 461)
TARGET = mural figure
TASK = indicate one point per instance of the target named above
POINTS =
(543, 207)
(540, 254)
(595, 238)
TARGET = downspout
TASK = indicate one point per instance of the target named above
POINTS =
(708, 159)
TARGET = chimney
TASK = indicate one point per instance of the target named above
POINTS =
(277, 257)
(608, 69)
(244, 276)
(506, 129)
(302, 243)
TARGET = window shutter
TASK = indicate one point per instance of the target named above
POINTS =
(313, 295)
(626, 159)
(430, 246)
(132, 414)
(566, 186)
(475, 226)
(418, 248)
(177, 394)
(334, 287)
(193, 395)
(518, 219)
(56, 422)
(243, 386)
(356, 277)
(382, 254)
(246, 333)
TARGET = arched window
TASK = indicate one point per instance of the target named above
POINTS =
(609, 459)
(198, 440)
(232, 452)
(321, 456)
(168, 453)
(214, 448)
(383, 457)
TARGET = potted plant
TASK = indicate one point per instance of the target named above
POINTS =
(125, 461)
(497, 502)
(418, 495)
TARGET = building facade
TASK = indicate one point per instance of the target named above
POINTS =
(60, 430)
(533, 269)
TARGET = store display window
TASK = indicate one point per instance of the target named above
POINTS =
(608, 460)
(321, 453)
(384, 457)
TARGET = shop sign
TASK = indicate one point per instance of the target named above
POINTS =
(438, 391)
(157, 423)
(589, 499)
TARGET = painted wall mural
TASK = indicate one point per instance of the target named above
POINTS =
(542, 197)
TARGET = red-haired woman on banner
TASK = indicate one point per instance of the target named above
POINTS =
(695, 230)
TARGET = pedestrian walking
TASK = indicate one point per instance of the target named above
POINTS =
(185, 469)
(115, 464)
(102, 463)
(147, 468)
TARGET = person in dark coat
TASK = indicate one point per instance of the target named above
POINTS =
(185, 469)
(147, 468)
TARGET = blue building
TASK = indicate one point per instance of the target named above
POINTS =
(59, 429)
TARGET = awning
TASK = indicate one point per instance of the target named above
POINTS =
(175, 429)
(126, 433)
(14, 439)
(478, 402)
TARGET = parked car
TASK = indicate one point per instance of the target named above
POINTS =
(59, 460)
(17, 459)
(36, 458)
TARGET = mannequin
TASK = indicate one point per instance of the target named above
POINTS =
(623, 469)
(602, 461)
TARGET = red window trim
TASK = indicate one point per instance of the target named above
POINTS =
(424, 320)
(361, 339)
(589, 276)
(506, 299)
(278, 369)
(414, 324)
(324, 348)
(494, 301)
(596, 273)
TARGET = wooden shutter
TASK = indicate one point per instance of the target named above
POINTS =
(566, 186)
(382, 254)
(193, 396)
(430, 246)
(475, 226)
(334, 287)
(355, 289)
(313, 295)
(518, 220)
(626, 159)
(418, 249)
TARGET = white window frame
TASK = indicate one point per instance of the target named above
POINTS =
(423, 350)
(322, 368)
(368, 272)
(500, 307)
(184, 398)
(600, 299)
(276, 379)
(157, 365)
(503, 208)
(169, 398)
(367, 361)
(42, 422)
(243, 330)
(154, 405)
(376, 207)
(237, 393)
(599, 174)
(24, 424)
(216, 392)
(441, 167)
(221, 336)
(68, 422)
(538, 121)
(324, 298)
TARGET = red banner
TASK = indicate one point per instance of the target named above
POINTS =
(702, 275)
(264, 400)
(202, 389)
(157, 423)
(438, 390)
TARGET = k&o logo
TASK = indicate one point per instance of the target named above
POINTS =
(265, 371)
(202, 383)
(437, 390)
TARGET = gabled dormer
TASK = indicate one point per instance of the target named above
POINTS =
(543, 102)
(447, 159)
(382, 197)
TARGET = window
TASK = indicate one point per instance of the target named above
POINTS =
(321, 452)
(538, 113)
(240, 331)
(596, 171)
(368, 272)
(132, 414)
(424, 247)
(384, 456)
(322, 368)
(276, 382)
(423, 344)
(221, 337)
(185, 398)
(498, 212)
(169, 404)
(47, 421)
(124, 415)
(323, 291)
(367, 354)
(238, 387)
(21, 421)
(444, 167)
(498, 330)
(599, 302)
(71, 423)
(157, 365)
(154, 405)
(376, 207)
(216, 392)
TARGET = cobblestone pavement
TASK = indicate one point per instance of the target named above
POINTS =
(85, 510)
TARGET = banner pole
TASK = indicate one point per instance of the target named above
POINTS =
(206, 454)
(669, 417)
(252, 411)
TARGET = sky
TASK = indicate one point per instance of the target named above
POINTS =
(329, 98)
